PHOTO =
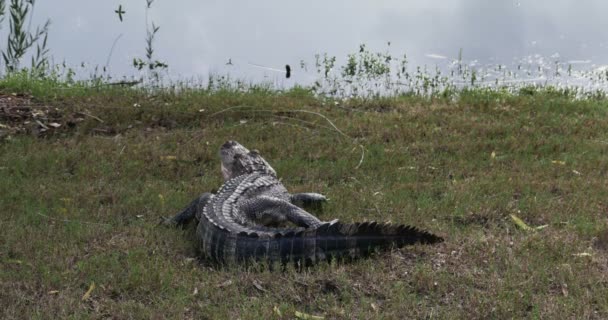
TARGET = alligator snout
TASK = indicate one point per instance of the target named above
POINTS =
(229, 144)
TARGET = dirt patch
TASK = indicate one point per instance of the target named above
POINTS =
(601, 242)
(20, 114)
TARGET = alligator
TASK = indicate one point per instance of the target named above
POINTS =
(252, 217)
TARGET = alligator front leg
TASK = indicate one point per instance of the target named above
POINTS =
(270, 211)
(308, 200)
(189, 213)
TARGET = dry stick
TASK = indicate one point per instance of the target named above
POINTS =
(340, 131)
(228, 109)
(92, 116)
(292, 124)
(42, 125)
(302, 121)
(301, 111)
(362, 155)
(273, 111)
(112, 50)
(76, 221)
(126, 83)
(324, 117)
(312, 124)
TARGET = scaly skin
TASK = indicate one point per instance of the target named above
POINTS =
(239, 223)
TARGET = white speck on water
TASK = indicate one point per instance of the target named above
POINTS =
(579, 61)
(435, 56)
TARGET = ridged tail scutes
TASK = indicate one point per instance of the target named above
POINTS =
(361, 239)
(328, 241)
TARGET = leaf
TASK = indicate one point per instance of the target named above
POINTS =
(565, 290)
(277, 311)
(582, 254)
(493, 154)
(224, 284)
(168, 158)
(520, 223)
(559, 162)
(14, 261)
(258, 285)
(87, 294)
(305, 316)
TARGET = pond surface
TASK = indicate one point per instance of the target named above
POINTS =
(259, 37)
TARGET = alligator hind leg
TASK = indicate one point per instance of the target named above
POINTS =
(270, 211)
(189, 213)
(308, 200)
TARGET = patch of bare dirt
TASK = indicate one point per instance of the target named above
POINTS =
(21, 114)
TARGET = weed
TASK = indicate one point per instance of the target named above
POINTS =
(153, 65)
(20, 39)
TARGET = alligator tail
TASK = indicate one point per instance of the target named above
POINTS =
(329, 241)
(355, 240)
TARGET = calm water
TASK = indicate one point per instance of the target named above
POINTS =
(199, 37)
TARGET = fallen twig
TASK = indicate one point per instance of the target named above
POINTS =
(300, 111)
(362, 155)
(92, 116)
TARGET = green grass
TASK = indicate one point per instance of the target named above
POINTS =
(428, 162)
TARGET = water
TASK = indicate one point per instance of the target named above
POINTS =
(558, 42)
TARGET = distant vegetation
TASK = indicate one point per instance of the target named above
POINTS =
(362, 74)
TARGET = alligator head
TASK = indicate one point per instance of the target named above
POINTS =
(238, 160)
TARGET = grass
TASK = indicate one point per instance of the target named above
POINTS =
(457, 167)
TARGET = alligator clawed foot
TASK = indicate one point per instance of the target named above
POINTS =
(167, 222)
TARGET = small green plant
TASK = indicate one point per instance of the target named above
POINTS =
(21, 39)
(153, 65)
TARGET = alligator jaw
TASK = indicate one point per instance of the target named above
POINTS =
(225, 173)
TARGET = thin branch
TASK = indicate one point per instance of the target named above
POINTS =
(362, 155)
(301, 111)
(324, 117)
(92, 116)
(112, 50)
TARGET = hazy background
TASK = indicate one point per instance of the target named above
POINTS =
(198, 37)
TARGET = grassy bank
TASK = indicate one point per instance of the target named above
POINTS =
(81, 199)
